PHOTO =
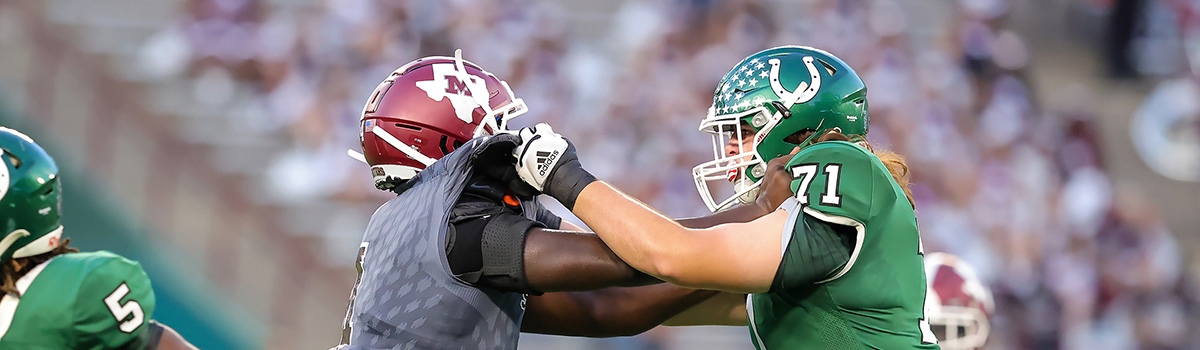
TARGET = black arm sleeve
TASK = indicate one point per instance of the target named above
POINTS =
(817, 251)
(485, 245)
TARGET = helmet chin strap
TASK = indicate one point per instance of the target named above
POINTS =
(409, 151)
(357, 156)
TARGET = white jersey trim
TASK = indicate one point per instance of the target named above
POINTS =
(859, 229)
(750, 317)
(790, 206)
(9, 303)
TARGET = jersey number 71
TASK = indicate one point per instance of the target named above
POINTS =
(806, 173)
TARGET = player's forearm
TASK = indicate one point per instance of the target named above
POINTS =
(741, 213)
(724, 309)
(641, 236)
(611, 312)
(632, 311)
(559, 261)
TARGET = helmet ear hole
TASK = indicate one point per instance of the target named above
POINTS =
(442, 145)
(52, 187)
(410, 127)
(798, 137)
(16, 162)
(828, 67)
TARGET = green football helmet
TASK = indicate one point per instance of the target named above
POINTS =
(777, 92)
(30, 197)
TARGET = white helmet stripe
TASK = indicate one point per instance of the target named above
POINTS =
(409, 151)
(357, 156)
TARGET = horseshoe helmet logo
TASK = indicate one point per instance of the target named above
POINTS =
(803, 92)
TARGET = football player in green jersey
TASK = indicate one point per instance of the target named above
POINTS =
(839, 266)
(55, 297)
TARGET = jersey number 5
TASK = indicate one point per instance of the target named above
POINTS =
(123, 311)
(806, 172)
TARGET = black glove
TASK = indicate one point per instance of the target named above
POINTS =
(494, 159)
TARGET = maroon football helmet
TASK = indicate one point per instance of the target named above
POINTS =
(958, 303)
(425, 110)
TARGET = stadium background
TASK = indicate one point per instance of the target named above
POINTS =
(1055, 144)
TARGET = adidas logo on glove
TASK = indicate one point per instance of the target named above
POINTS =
(544, 160)
(541, 152)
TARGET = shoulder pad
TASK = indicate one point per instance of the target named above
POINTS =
(115, 300)
(835, 177)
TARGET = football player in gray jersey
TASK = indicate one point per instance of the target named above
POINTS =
(459, 260)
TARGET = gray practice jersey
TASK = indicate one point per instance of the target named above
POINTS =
(407, 296)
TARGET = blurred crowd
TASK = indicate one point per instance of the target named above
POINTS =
(1161, 40)
(1076, 260)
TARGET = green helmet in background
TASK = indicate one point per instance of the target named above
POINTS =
(30, 197)
(777, 92)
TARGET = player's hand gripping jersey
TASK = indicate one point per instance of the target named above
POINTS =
(840, 307)
(96, 300)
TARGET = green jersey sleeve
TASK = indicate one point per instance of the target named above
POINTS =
(814, 250)
(114, 304)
